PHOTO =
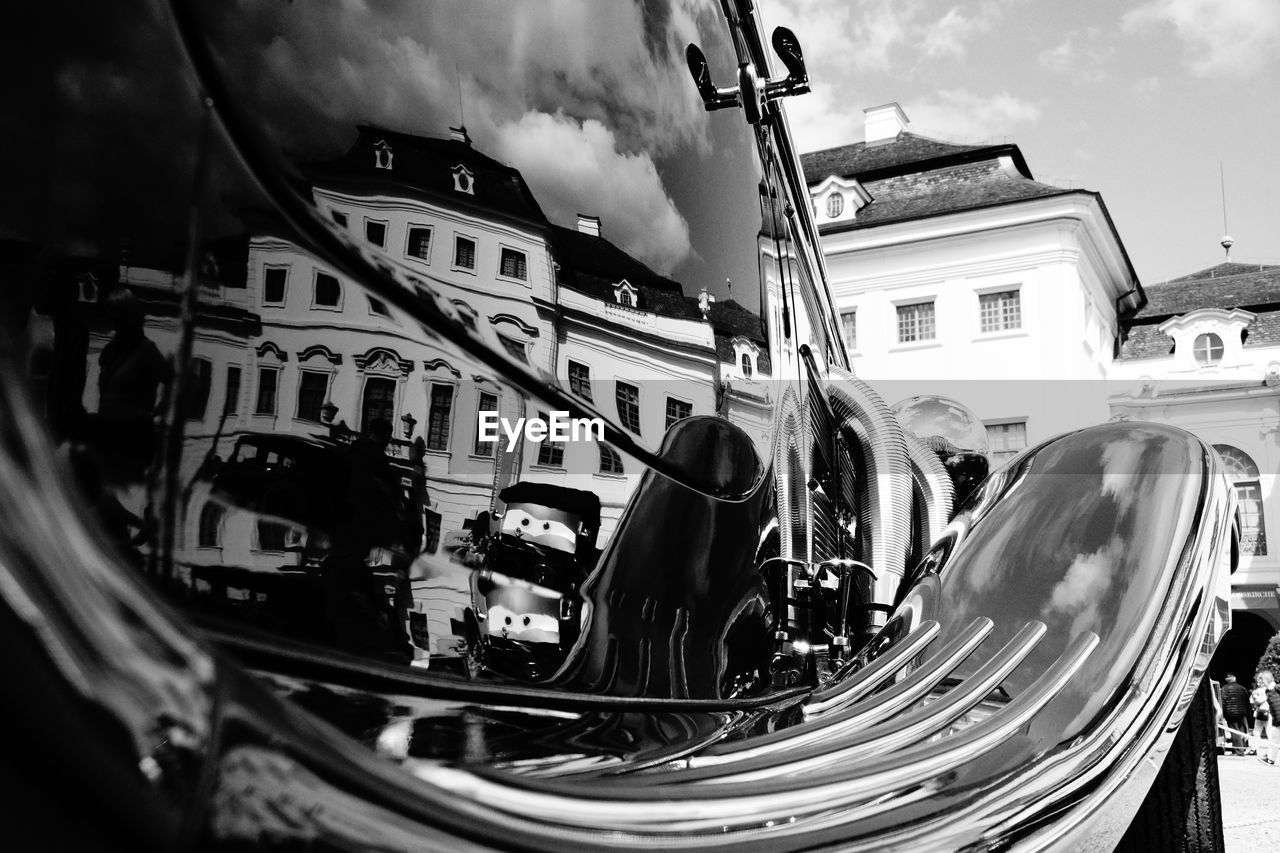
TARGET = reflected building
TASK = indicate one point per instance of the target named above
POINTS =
(290, 358)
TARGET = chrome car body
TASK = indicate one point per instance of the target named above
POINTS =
(793, 636)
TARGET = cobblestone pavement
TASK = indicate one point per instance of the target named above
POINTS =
(1250, 804)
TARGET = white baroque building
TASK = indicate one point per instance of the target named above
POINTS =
(956, 272)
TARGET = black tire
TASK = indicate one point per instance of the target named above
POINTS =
(1183, 810)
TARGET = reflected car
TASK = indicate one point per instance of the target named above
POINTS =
(267, 581)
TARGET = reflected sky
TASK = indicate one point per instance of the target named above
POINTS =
(592, 103)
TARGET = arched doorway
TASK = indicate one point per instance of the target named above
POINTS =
(1242, 646)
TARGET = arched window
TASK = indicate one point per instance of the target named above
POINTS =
(1244, 474)
(210, 533)
(610, 460)
(1208, 349)
(835, 205)
(746, 365)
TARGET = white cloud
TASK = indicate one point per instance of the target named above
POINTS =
(1235, 38)
(575, 167)
(950, 35)
(1082, 589)
(959, 113)
(1082, 55)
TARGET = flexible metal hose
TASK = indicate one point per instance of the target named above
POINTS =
(885, 489)
(935, 487)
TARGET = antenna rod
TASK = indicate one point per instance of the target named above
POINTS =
(457, 75)
(1227, 242)
(1222, 184)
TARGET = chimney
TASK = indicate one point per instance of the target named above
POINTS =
(884, 123)
(589, 224)
(459, 134)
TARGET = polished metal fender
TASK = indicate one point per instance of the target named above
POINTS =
(1072, 610)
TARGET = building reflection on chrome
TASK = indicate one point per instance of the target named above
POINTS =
(298, 374)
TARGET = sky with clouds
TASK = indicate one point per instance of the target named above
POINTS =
(1137, 99)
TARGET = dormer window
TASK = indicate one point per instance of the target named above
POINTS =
(746, 354)
(838, 198)
(381, 154)
(1208, 349)
(1207, 338)
(626, 294)
(463, 180)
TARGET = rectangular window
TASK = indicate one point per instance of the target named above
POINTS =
(273, 282)
(628, 399)
(267, 380)
(199, 382)
(513, 264)
(420, 243)
(677, 410)
(580, 380)
(431, 533)
(1000, 311)
(339, 217)
(271, 535)
(231, 402)
(313, 388)
(488, 403)
(464, 253)
(550, 452)
(516, 348)
(1006, 441)
(916, 322)
(849, 326)
(328, 291)
(438, 417)
(375, 232)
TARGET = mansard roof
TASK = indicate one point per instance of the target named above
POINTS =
(424, 166)
(1251, 287)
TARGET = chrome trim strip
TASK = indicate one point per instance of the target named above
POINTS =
(864, 681)
(894, 734)
(876, 709)
(689, 810)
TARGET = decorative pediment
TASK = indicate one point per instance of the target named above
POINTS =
(1208, 320)
(320, 351)
(838, 199)
(267, 348)
(383, 360)
(440, 364)
(513, 320)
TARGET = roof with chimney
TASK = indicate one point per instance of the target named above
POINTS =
(591, 264)
(1249, 287)
(913, 177)
(425, 167)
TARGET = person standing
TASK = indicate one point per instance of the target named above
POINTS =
(1261, 714)
(1272, 697)
(1236, 711)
